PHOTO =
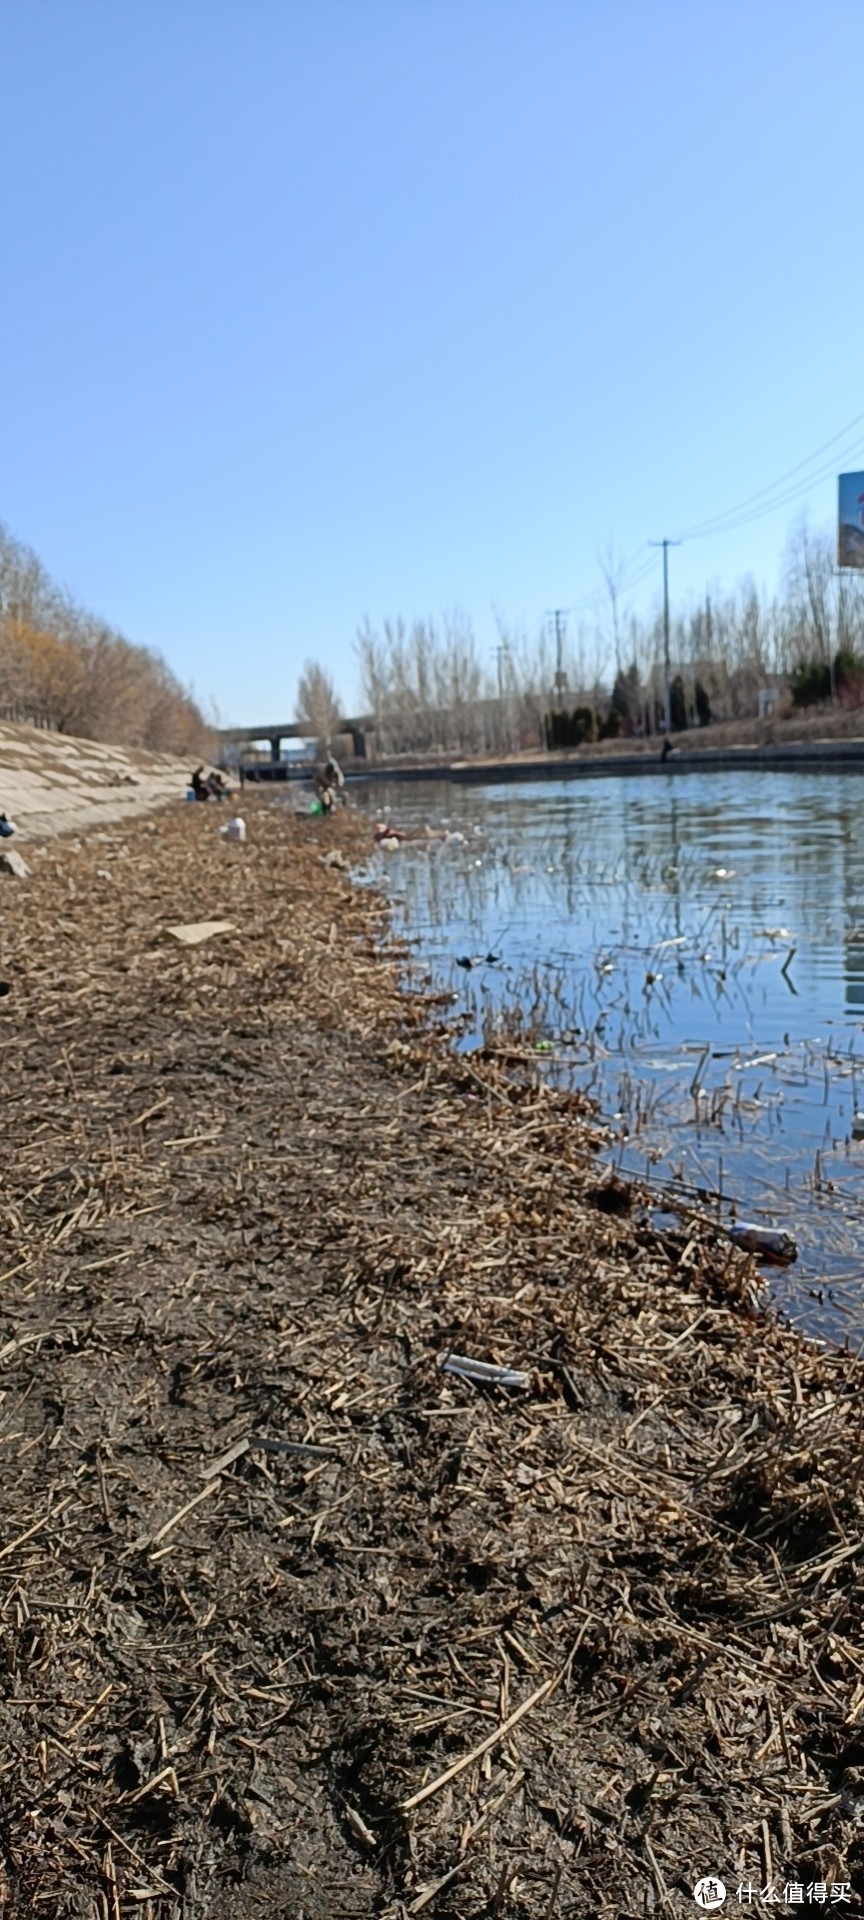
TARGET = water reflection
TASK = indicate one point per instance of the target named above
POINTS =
(692, 952)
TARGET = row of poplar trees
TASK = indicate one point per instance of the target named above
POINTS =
(65, 669)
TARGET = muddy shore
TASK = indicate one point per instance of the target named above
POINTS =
(292, 1621)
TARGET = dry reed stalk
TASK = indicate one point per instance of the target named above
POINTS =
(259, 1203)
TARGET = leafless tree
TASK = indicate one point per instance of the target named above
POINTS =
(613, 567)
(430, 689)
(62, 668)
(318, 707)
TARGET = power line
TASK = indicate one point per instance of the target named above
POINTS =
(766, 500)
(703, 527)
(786, 499)
(588, 600)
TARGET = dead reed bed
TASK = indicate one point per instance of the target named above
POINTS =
(294, 1622)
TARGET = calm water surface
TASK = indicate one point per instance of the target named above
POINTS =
(691, 950)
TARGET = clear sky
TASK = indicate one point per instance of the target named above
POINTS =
(318, 309)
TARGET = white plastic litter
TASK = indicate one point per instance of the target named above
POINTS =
(195, 932)
(483, 1373)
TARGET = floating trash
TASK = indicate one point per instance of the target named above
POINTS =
(773, 1244)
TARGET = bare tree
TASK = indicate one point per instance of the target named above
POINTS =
(62, 668)
(317, 707)
(374, 681)
(429, 689)
(808, 583)
(613, 567)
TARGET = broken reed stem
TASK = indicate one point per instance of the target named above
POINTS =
(211, 1487)
(485, 1746)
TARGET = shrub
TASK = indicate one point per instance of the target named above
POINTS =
(811, 680)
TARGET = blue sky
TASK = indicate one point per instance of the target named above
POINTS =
(336, 308)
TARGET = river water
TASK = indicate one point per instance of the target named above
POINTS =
(690, 949)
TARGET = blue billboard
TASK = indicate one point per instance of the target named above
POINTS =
(850, 520)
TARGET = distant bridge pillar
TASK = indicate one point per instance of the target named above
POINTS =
(358, 737)
(275, 748)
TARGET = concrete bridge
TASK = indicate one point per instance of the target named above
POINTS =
(274, 735)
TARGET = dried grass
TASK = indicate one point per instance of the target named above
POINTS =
(424, 1646)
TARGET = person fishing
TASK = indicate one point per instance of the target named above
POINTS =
(329, 780)
(334, 774)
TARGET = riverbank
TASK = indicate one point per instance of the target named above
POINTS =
(51, 783)
(294, 1621)
(813, 741)
(816, 756)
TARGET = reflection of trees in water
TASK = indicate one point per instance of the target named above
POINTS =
(852, 882)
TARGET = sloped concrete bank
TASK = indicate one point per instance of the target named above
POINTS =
(51, 783)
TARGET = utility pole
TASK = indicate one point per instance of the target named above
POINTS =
(557, 614)
(667, 704)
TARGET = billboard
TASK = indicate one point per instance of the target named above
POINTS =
(850, 520)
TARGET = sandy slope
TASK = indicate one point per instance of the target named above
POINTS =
(52, 784)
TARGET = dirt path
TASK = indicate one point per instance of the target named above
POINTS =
(249, 1196)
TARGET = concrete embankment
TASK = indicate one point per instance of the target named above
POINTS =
(51, 783)
(294, 1619)
(840, 756)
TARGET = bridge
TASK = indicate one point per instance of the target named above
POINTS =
(245, 736)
